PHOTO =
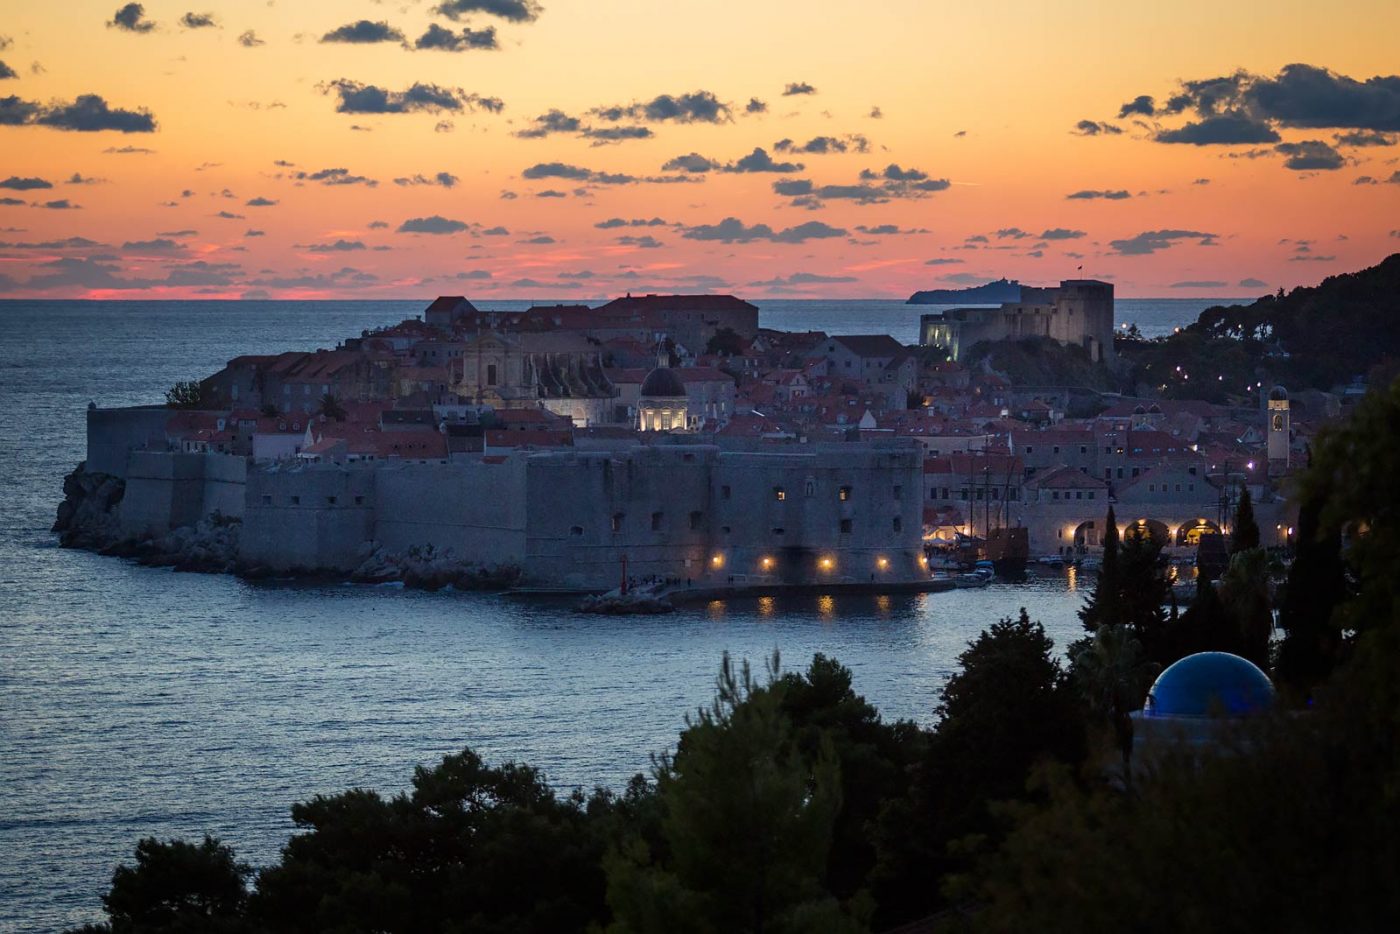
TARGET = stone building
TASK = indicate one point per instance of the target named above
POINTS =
(557, 371)
(1079, 313)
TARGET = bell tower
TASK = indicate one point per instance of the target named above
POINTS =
(1278, 427)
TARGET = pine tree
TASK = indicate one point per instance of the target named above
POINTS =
(1246, 531)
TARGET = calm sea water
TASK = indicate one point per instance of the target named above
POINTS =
(139, 702)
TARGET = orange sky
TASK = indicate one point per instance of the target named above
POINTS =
(984, 97)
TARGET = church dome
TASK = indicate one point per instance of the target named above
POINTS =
(1208, 683)
(1278, 394)
(661, 383)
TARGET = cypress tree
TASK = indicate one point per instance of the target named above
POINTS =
(1246, 531)
(1316, 585)
(1101, 607)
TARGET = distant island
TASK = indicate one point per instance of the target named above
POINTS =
(993, 293)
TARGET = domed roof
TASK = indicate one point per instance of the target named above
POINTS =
(1209, 683)
(1139, 410)
(663, 382)
(1278, 393)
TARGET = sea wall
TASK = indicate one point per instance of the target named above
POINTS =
(167, 490)
(113, 433)
(308, 518)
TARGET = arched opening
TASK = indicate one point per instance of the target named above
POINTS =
(1189, 534)
(1087, 535)
(1158, 531)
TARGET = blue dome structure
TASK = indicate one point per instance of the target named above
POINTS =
(1210, 684)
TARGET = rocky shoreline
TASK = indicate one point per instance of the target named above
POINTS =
(89, 519)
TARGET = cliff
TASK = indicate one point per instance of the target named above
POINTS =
(992, 293)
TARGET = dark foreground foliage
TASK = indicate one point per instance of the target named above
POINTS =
(789, 805)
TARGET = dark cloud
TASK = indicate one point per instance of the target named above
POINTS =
(1096, 128)
(895, 183)
(1365, 138)
(616, 134)
(692, 162)
(337, 176)
(198, 21)
(60, 204)
(797, 88)
(378, 225)
(1060, 233)
(495, 232)
(541, 240)
(260, 202)
(444, 126)
(254, 233)
(1090, 194)
(435, 224)
(760, 161)
(881, 230)
(802, 278)
(7, 72)
(250, 40)
(89, 113)
(1308, 96)
(942, 261)
(11, 202)
(644, 242)
(755, 106)
(613, 222)
(1312, 258)
(733, 230)
(1253, 284)
(1201, 181)
(1150, 241)
(577, 173)
(1012, 233)
(16, 183)
(1310, 155)
(177, 233)
(357, 98)
(364, 32)
(822, 145)
(339, 246)
(1142, 104)
(473, 274)
(230, 216)
(78, 178)
(445, 40)
(552, 121)
(516, 11)
(158, 245)
(339, 279)
(1227, 129)
(551, 193)
(876, 114)
(131, 18)
(695, 107)
(1199, 284)
(441, 179)
(68, 243)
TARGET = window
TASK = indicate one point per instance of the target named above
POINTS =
(845, 526)
(296, 500)
(330, 500)
(1091, 494)
(359, 501)
(724, 492)
(809, 487)
(267, 499)
(1055, 449)
(1152, 488)
(617, 521)
(777, 531)
(844, 494)
(1055, 495)
(1084, 449)
(576, 530)
(490, 374)
(779, 493)
(724, 530)
(1028, 449)
(696, 520)
(656, 522)
(898, 524)
(898, 492)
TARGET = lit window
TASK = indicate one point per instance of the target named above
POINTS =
(844, 493)
(779, 493)
(617, 521)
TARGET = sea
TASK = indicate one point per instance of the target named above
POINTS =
(140, 702)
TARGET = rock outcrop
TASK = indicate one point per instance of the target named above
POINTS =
(88, 517)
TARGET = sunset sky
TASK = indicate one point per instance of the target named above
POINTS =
(565, 149)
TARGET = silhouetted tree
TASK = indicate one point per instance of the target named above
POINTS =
(746, 821)
(725, 342)
(1112, 674)
(1245, 533)
(1316, 586)
(1009, 706)
(331, 408)
(1101, 606)
(177, 887)
(185, 395)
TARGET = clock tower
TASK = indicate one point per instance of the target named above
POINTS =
(1278, 427)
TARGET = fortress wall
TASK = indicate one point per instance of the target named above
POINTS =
(113, 433)
(476, 508)
(740, 522)
(166, 489)
(309, 518)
